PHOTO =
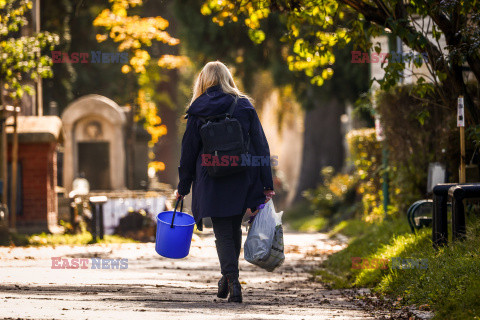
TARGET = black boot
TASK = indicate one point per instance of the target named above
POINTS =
(234, 288)
(222, 288)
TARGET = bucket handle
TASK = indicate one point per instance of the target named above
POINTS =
(175, 210)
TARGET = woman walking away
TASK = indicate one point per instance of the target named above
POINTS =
(224, 198)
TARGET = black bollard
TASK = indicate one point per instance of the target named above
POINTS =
(100, 218)
(93, 208)
(457, 195)
(440, 218)
(96, 203)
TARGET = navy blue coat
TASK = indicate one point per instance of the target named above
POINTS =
(233, 194)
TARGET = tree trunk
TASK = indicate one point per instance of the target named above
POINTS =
(322, 144)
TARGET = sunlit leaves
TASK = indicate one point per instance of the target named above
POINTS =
(168, 61)
(365, 152)
(148, 113)
(157, 165)
(135, 34)
(132, 32)
(20, 57)
(257, 36)
(12, 15)
(313, 29)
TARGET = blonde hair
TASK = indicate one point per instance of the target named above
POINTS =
(216, 73)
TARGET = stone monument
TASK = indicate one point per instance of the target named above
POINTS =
(94, 143)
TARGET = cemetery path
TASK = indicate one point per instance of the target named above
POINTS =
(153, 287)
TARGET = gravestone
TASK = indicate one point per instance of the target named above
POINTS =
(94, 143)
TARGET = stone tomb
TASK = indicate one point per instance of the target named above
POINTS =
(94, 143)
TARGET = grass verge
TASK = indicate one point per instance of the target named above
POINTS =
(450, 285)
(301, 217)
(8, 239)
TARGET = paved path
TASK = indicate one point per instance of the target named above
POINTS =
(153, 287)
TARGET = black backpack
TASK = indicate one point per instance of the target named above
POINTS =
(223, 144)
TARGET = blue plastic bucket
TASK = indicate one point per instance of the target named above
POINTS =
(174, 233)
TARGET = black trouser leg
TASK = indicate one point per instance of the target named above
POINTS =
(228, 235)
(237, 233)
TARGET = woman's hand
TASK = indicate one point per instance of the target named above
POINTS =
(249, 213)
(178, 196)
(269, 194)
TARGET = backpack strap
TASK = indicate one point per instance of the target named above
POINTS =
(232, 107)
(202, 119)
(230, 113)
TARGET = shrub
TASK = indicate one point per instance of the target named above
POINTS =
(342, 196)
(417, 132)
(336, 191)
(366, 156)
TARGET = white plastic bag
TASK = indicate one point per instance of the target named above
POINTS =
(264, 244)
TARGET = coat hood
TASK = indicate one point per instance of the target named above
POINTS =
(212, 102)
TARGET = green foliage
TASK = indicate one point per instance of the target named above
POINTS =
(315, 27)
(20, 56)
(230, 42)
(73, 21)
(336, 194)
(417, 132)
(365, 239)
(449, 286)
(342, 196)
(366, 156)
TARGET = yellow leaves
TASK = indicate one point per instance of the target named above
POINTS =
(156, 120)
(342, 32)
(139, 60)
(312, 56)
(252, 23)
(327, 73)
(173, 62)
(101, 37)
(148, 112)
(133, 33)
(119, 5)
(256, 36)
(365, 153)
(254, 11)
(218, 21)
(295, 31)
(157, 166)
(156, 132)
(253, 20)
(121, 12)
(317, 80)
(205, 10)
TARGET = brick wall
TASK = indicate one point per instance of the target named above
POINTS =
(39, 176)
